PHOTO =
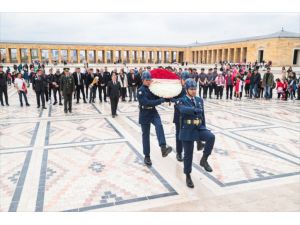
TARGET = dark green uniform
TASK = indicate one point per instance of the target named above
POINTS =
(67, 86)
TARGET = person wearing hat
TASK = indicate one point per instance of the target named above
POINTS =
(176, 119)
(67, 87)
(147, 115)
(3, 86)
(193, 128)
(39, 86)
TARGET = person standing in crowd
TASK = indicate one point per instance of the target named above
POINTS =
(47, 81)
(257, 81)
(56, 86)
(210, 82)
(89, 77)
(229, 84)
(202, 79)
(214, 86)
(124, 84)
(220, 82)
(108, 78)
(298, 88)
(267, 83)
(279, 88)
(32, 74)
(93, 89)
(292, 87)
(21, 86)
(26, 76)
(3, 87)
(102, 84)
(238, 87)
(147, 115)
(113, 91)
(138, 76)
(132, 85)
(50, 80)
(79, 84)
(193, 128)
(67, 87)
(39, 87)
(247, 84)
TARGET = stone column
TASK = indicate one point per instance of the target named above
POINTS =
(29, 55)
(96, 56)
(40, 54)
(69, 55)
(18, 55)
(58, 55)
(50, 55)
(7, 55)
(78, 55)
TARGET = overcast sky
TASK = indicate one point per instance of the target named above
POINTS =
(146, 28)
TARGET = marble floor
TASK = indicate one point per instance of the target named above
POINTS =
(89, 161)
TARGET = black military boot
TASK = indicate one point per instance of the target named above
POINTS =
(189, 181)
(147, 161)
(179, 157)
(204, 163)
(200, 145)
(165, 150)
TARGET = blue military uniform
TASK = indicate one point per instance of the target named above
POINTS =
(193, 128)
(147, 115)
(176, 119)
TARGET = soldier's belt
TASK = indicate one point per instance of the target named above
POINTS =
(146, 107)
(196, 122)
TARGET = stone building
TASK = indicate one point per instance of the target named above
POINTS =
(282, 48)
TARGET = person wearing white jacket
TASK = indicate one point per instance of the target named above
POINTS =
(122, 78)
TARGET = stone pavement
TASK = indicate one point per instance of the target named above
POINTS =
(88, 161)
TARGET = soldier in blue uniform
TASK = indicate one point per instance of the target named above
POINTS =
(193, 128)
(148, 114)
(176, 119)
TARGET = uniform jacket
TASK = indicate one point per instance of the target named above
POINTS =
(67, 84)
(191, 132)
(147, 99)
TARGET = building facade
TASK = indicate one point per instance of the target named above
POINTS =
(282, 48)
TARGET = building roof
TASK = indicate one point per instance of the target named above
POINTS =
(279, 34)
(91, 44)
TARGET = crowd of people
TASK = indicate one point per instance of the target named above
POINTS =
(234, 81)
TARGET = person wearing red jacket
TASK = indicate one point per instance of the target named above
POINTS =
(279, 88)
(285, 90)
(247, 84)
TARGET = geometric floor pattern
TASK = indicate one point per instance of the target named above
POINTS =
(88, 161)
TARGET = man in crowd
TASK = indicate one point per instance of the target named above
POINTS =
(67, 87)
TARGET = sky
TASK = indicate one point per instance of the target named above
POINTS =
(142, 28)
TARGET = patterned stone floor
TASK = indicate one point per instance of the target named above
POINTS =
(88, 161)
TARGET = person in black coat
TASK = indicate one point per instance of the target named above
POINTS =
(79, 84)
(102, 84)
(39, 86)
(113, 91)
(89, 77)
(3, 86)
(55, 86)
(132, 85)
